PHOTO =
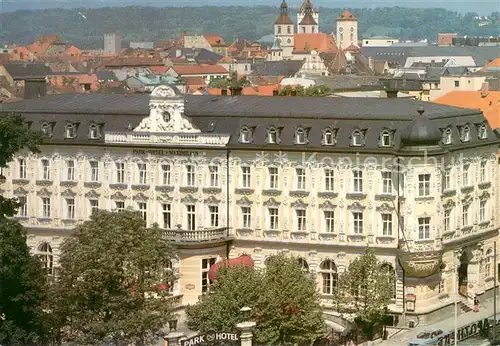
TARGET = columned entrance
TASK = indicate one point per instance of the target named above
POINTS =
(463, 270)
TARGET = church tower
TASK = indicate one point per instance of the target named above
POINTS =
(347, 30)
(308, 24)
(276, 53)
(284, 31)
(302, 11)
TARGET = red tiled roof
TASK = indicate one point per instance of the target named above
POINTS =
(195, 81)
(39, 48)
(284, 19)
(215, 40)
(494, 63)
(351, 48)
(260, 90)
(158, 69)
(320, 42)
(73, 50)
(199, 69)
(133, 61)
(346, 15)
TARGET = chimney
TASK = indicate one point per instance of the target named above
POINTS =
(236, 91)
(276, 92)
(484, 89)
(223, 92)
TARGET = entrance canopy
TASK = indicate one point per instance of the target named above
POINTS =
(243, 260)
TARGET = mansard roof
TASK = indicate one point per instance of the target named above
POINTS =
(228, 114)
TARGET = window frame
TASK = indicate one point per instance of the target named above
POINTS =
(22, 172)
(246, 216)
(246, 177)
(357, 183)
(329, 221)
(94, 171)
(273, 218)
(191, 217)
(329, 275)
(357, 223)
(45, 169)
(166, 174)
(300, 179)
(213, 172)
(300, 220)
(424, 228)
(120, 172)
(70, 170)
(424, 185)
(387, 182)
(166, 212)
(273, 174)
(387, 224)
(329, 179)
(214, 217)
(190, 175)
(46, 207)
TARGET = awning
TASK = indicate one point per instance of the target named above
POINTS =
(243, 260)
(335, 326)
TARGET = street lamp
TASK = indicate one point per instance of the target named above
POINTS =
(172, 324)
(245, 311)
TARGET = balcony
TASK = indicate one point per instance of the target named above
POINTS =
(201, 236)
(180, 139)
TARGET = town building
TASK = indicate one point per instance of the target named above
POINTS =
(347, 30)
(306, 8)
(112, 43)
(227, 176)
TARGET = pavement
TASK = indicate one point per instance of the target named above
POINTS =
(448, 324)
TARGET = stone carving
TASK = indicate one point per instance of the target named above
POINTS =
(140, 197)
(421, 264)
(118, 196)
(163, 91)
(188, 199)
(299, 204)
(212, 200)
(271, 203)
(244, 201)
(327, 205)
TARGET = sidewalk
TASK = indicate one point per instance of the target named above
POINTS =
(447, 324)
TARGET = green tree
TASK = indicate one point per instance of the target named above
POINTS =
(110, 277)
(22, 289)
(14, 136)
(234, 288)
(231, 82)
(282, 297)
(299, 90)
(365, 289)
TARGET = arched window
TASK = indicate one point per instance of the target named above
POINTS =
(303, 264)
(387, 268)
(328, 137)
(46, 257)
(70, 131)
(169, 271)
(483, 132)
(329, 276)
(487, 263)
(386, 139)
(300, 136)
(357, 138)
(447, 136)
(245, 135)
(466, 134)
(289, 29)
(279, 29)
(93, 131)
(272, 135)
(46, 129)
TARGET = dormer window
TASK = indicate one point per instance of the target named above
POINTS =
(46, 129)
(466, 133)
(447, 136)
(357, 138)
(273, 135)
(94, 132)
(329, 137)
(246, 135)
(301, 135)
(70, 131)
(386, 139)
(482, 131)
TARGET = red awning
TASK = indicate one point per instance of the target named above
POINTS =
(243, 260)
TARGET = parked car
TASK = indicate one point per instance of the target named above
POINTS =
(428, 337)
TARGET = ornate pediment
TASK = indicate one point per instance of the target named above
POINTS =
(92, 194)
(299, 204)
(244, 201)
(44, 192)
(189, 199)
(20, 192)
(140, 197)
(68, 193)
(484, 195)
(271, 202)
(118, 196)
(212, 200)
(356, 207)
(327, 205)
(164, 197)
(385, 208)
(449, 204)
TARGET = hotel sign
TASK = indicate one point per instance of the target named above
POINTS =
(466, 332)
(160, 152)
(210, 337)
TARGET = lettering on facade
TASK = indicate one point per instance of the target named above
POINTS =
(210, 338)
(160, 152)
(465, 332)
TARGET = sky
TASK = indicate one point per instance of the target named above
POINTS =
(479, 6)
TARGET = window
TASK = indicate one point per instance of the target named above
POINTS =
(386, 139)
(301, 178)
(300, 215)
(447, 136)
(45, 169)
(143, 209)
(120, 172)
(70, 131)
(329, 180)
(46, 129)
(387, 224)
(190, 175)
(329, 276)
(387, 183)
(70, 208)
(120, 205)
(358, 223)
(23, 206)
(466, 134)
(273, 177)
(246, 217)
(245, 135)
(46, 207)
(329, 221)
(191, 217)
(142, 174)
(94, 205)
(273, 218)
(22, 168)
(93, 131)
(447, 179)
(465, 175)
(94, 171)
(167, 215)
(424, 185)
(300, 136)
(482, 132)
(206, 264)
(424, 228)
(357, 181)
(357, 138)
(465, 215)
(272, 136)
(245, 177)
(279, 29)
(482, 210)
(169, 271)
(70, 170)
(447, 220)
(46, 258)
(303, 265)
(165, 174)
(214, 176)
(487, 263)
(482, 175)
(457, 83)
(289, 29)
(328, 137)
(213, 211)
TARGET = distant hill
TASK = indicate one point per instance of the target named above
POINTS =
(85, 27)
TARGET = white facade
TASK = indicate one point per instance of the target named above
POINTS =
(347, 33)
(379, 41)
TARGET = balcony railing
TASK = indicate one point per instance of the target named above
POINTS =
(199, 236)
(189, 139)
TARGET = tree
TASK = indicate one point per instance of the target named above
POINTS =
(365, 289)
(282, 297)
(232, 82)
(111, 281)
(299, 90)
(14, 136)
(234, 288)
(22, 289)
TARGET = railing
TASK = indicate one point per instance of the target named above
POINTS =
(210, 139)
(198, 236)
